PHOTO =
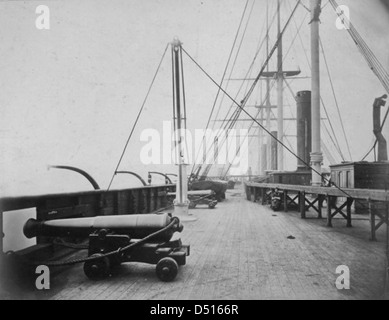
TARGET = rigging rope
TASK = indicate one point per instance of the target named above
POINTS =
(371, 59)
(284, 59)
(236, 58)
(232, 105)
(223, 77)
(250, 128)
(229, 124)
(246, 98)
(137, 119)
(264, 128)
(335, 142)
(230, 56)
(305, 7)
(335, 98)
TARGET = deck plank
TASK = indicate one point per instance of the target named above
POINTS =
(241, 250)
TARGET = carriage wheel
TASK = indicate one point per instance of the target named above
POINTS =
(167, 269)
(192, 205)
(212, 205)
(97, 269)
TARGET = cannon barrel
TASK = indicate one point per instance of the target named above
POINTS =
(135, 226)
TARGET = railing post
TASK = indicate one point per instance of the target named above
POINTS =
(263, 196)
(372, 221)
(302, 205)
(320, 206)
(285, 200)
(116, 205)
(145, 201)
(349, 218)
(329, 211)
(153, 199)
(138, 201)
(131, 203)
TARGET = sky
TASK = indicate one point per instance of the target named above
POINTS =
(70, 95)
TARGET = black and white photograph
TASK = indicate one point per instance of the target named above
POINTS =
(194, 154)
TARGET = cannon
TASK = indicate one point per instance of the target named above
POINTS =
(219, 187)
(206, 197)
(114, 240)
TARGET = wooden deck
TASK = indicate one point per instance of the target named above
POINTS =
(241, 250)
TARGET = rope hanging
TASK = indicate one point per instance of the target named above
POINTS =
(137, 119)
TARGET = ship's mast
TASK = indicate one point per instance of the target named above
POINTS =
(316, 155)
(261, 140)
(280, 98)
(268, 102)
(265, 115)
(181, 203)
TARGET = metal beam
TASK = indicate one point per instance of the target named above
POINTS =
(250, 120)
(273, 74)
(262, 107)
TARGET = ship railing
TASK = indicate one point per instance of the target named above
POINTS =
(140, 200)
(304, 198)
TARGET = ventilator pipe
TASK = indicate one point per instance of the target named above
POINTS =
(135, 175)
(82, 172)
(381, 141)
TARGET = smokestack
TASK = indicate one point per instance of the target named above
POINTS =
(274, 151)
(304, 128)
(263, 162)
